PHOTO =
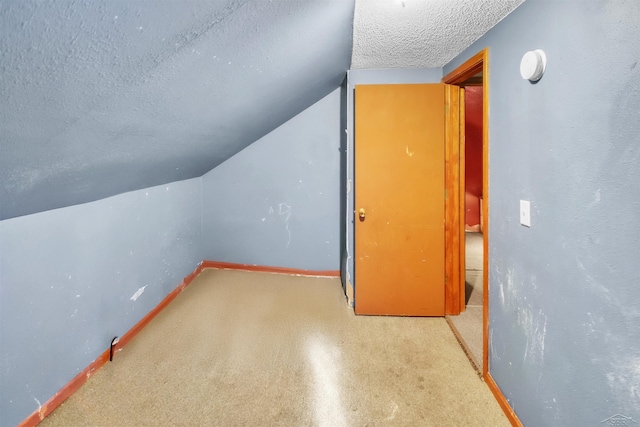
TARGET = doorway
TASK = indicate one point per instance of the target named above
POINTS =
(471, 323)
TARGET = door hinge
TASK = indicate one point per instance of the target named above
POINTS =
(446, 194)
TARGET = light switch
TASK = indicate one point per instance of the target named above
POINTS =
(525, 213)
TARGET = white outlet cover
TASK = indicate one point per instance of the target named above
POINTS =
(525, 213)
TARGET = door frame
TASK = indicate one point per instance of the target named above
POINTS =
(454, 210)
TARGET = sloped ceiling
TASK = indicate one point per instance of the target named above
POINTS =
(420, 33)
(100, 97)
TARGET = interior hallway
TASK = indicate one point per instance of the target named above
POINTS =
(239, 348)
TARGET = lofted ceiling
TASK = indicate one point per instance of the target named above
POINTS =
(420, 33)
(101, 97)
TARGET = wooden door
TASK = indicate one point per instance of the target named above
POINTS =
(399, 199)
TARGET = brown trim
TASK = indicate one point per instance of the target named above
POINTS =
(502, 401)
(452, 200)
(269, 269)
(462, 203)
(480, 63)
(473, 81)
(468, 69)
(485, 212)
(72, 386)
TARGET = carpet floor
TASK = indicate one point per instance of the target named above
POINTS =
(469, 322)
(247, 349)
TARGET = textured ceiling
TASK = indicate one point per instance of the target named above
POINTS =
(420, 33)
(101, 97)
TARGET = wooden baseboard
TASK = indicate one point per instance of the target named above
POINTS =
(502, 401)
(269, 269)
(37, 416)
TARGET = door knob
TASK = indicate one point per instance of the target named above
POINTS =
(361, 214)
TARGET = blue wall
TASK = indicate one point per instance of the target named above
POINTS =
(68, 276)
(277, 202)
(73, 278)
(564, 295)
(363, 77)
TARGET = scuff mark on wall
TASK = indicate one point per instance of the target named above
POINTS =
(624, 379)
(596, 199)
(138, 293)
(537, 333)
(595, 285)
(530, 320)
(285, 210)
(508, 293)
(39, 407)
(590, 326)
(494, 353)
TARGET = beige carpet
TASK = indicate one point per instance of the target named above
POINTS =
(253, 349)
